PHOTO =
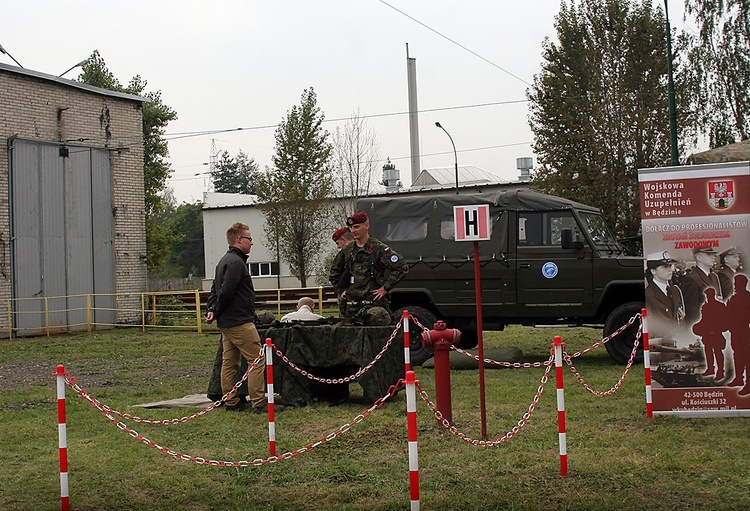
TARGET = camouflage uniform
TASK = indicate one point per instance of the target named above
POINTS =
(369, 267)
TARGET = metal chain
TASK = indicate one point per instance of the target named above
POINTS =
(346, 379)
(73, 383)
(392, 391)
(499, 441)
(609, 337)
(514, 365)
(420, 325)
(568, 360)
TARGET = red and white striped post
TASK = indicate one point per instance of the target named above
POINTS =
(269, 396)
(647, 363)
(558, 347)
(407, 342)
(62, 436)
(411, 424)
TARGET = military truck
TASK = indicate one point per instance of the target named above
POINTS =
(550, 261)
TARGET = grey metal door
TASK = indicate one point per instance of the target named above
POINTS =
(61, 235)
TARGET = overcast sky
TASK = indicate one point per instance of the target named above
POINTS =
(224, 65)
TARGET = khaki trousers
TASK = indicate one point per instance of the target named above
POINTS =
(242, 340)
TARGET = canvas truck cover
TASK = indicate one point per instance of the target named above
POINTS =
(403, 221)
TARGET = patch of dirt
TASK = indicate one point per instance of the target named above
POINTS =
(93, 373)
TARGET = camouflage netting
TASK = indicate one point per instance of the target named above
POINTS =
(324, 350)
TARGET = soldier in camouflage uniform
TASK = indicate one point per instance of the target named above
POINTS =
(365, 271)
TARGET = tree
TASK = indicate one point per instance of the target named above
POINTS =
(156, 168)
(717, 70)
(295, 195)
(356, 155)
(235, 175)
(599, 107)
(187, 250)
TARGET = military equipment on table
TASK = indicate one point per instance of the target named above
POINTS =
(378, 316)
(549, 261)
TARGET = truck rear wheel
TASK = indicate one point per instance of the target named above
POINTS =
(621, 346)
(418, 353)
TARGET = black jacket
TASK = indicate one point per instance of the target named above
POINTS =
(232, 296)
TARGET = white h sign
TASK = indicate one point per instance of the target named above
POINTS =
(472, 222)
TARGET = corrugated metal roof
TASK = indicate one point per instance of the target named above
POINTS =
(739, 151)
(215, 200)
(446, 176)
(69, 83)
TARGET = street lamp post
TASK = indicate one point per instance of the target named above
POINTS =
(81, 63)
(3, 50)
(455, 154)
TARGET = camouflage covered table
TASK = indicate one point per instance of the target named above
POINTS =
(318, 348)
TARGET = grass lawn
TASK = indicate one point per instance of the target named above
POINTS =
(617, 458)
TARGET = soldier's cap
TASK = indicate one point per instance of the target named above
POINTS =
(730, 251)
(339, 233)
(704, 250)
(359, 217)
(657, 259)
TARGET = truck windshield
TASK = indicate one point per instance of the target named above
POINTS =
(600, 233)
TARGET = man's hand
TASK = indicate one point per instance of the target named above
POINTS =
(379, 293)
(210, 317)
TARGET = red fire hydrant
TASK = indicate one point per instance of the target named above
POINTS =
(440, 339)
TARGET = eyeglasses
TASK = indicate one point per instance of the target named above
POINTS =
(248, 238)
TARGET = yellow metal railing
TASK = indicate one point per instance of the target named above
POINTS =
(182, 310)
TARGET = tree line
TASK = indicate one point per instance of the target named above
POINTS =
(598, 111)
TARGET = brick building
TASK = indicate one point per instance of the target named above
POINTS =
(72, 220)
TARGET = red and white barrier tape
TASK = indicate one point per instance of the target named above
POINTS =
(411, 423)
(647, 364)
(407, 341)
(562, 435)
(62, 437)
(270, 397)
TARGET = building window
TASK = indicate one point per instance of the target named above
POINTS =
(264, 269)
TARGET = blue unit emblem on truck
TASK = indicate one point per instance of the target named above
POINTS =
(549, 270)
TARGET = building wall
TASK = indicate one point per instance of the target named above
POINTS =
(37, 107)
(215, 224)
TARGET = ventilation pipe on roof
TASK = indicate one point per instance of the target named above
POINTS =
(524, 165)
(391, 176)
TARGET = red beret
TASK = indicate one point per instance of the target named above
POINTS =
(339, 233)
(359, 217)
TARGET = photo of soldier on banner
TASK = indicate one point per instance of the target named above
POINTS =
(696, 243)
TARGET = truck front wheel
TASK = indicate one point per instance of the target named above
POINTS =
(418, 353)
(621, 346)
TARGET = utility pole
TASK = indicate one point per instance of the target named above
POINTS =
(670, 93)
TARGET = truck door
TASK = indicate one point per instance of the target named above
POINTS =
(549, 277)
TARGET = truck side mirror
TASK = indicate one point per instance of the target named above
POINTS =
(567, 240)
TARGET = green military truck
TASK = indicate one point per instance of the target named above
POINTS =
(550, 261)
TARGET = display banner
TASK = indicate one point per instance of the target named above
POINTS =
(696, 245)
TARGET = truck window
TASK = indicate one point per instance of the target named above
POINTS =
(447, 231)
(598, 230)
(402, 228)
(545, 228)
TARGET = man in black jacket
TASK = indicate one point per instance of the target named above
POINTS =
(231, 303)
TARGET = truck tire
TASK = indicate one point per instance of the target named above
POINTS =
(418, 353)
(621, 346)
(469, 339)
